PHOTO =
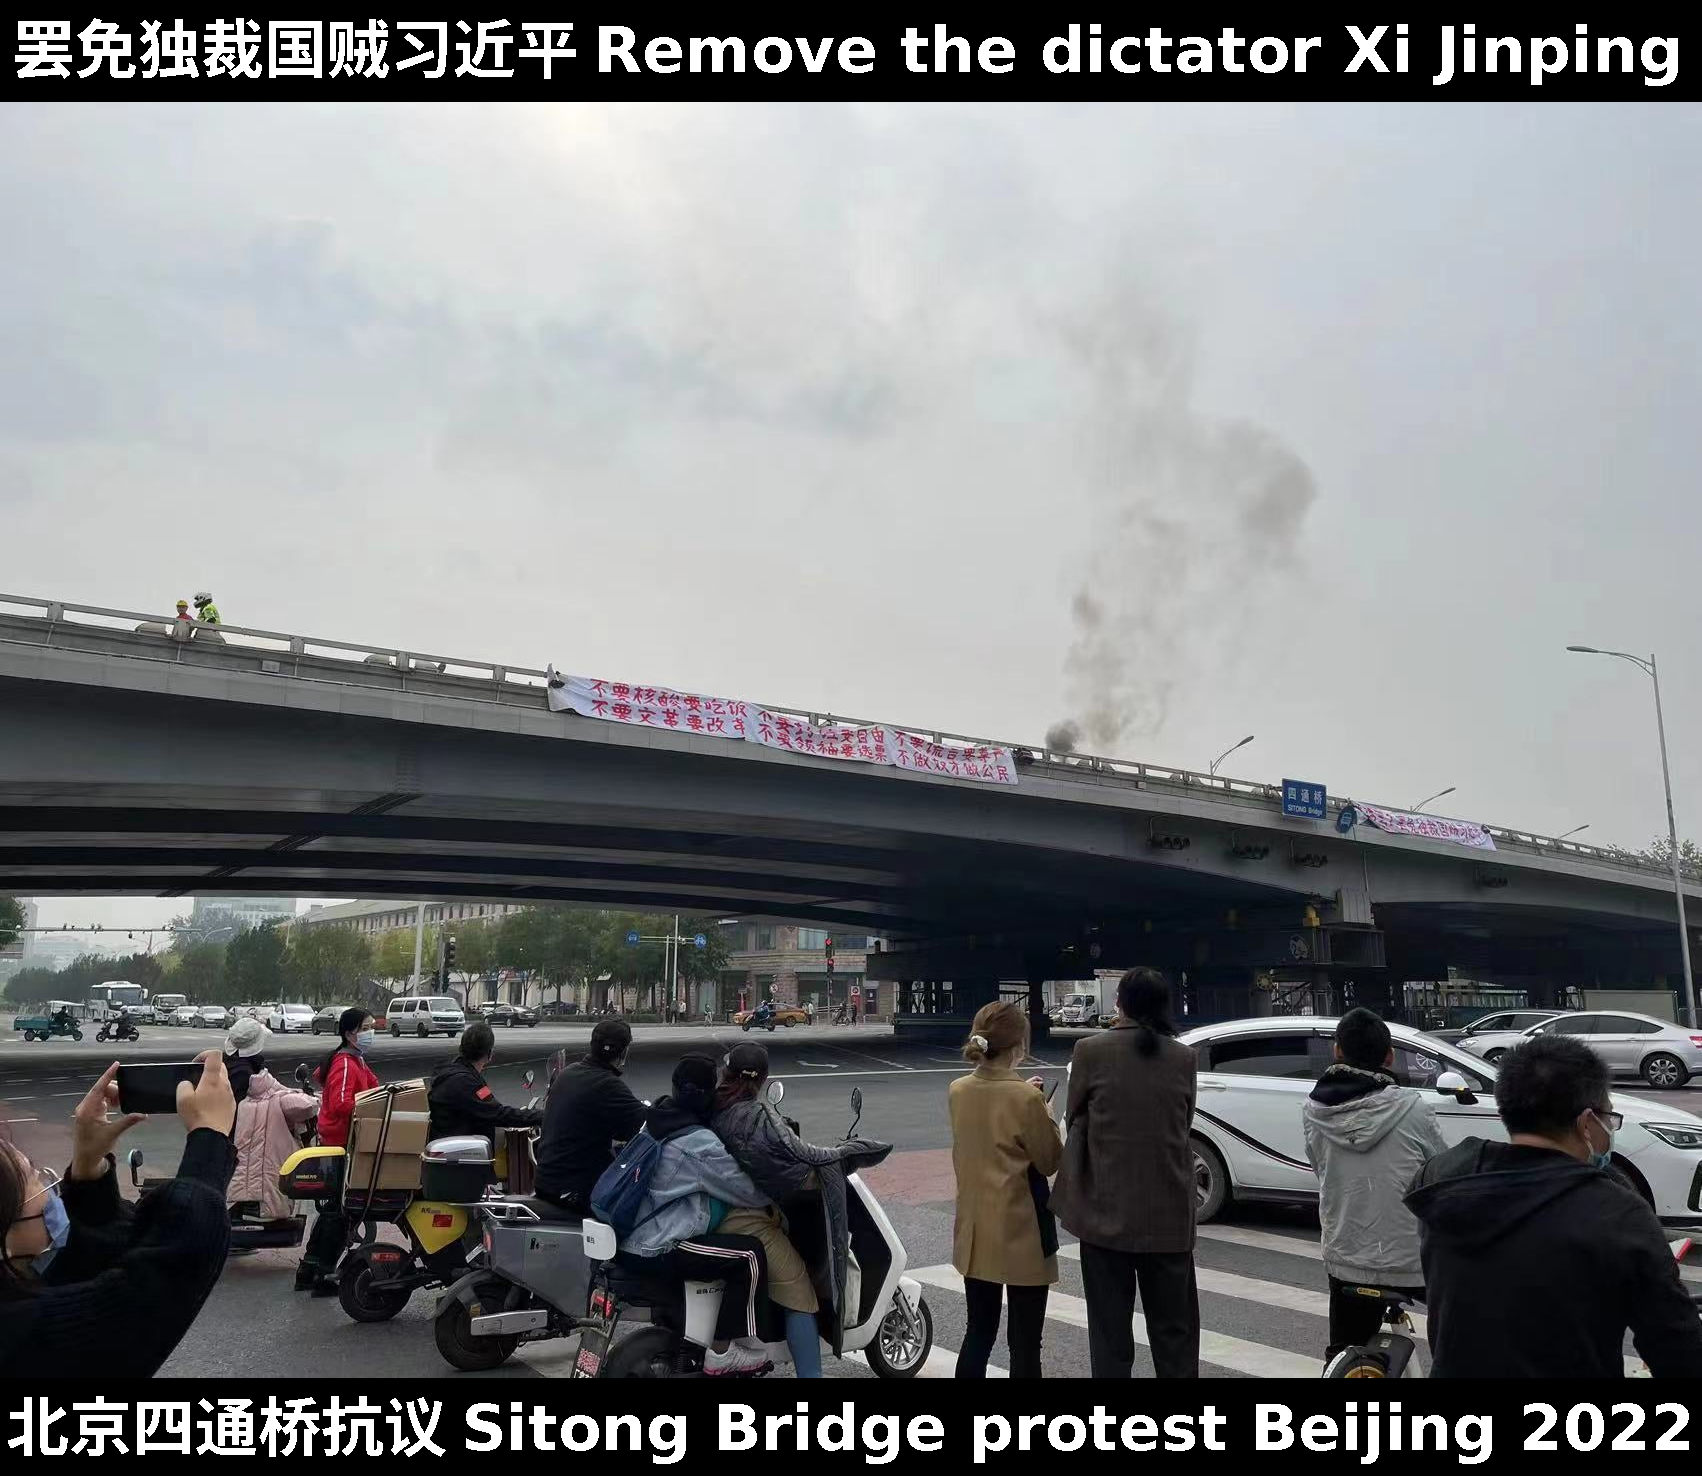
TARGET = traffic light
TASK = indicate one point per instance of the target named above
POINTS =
(448, 955)
(827, 947)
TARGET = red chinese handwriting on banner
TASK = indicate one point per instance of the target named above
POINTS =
(795, 735)
(1431, 827)
(987, 765)
(649, 707)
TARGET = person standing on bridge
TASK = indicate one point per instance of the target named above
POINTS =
(1126, 1188)
(1004, 1146)
(205, 610)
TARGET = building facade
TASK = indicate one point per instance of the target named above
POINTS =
(373, 919)
(228, 916)
(788, 964)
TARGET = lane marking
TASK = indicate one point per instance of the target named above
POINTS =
(880, 1060)
(8, 1121)
(904, 1071)
(830, 1065)
(1218, 1349)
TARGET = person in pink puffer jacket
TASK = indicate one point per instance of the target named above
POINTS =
(269, 1121)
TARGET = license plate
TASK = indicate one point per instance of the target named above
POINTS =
(385, 1263)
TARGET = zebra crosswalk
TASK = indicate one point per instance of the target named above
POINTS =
(1243, 1275)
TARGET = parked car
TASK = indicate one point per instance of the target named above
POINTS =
(285, 1018)
(1663, 1054)
(425, 1015)
(1254, 1075)
(509, 1014)
(1500, 1023)
(559, 1009)
(325, 1022)
(184, 1015)
(212, 1016)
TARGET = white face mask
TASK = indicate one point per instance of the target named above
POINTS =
(364, 1039)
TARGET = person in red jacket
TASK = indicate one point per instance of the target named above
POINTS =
(343, 1075)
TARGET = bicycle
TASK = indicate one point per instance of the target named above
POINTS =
(1397, 1350)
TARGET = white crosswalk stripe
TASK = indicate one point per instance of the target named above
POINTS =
(1218, 1349)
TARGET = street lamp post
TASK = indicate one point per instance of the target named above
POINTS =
(1225, 754)
(1443, 794)
(1653, 673)
(1573, 831)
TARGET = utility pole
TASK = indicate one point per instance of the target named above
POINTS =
(419, 944)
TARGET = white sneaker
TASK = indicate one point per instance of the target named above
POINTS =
(735, 1360)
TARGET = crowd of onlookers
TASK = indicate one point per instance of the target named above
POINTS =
(1534, 1257)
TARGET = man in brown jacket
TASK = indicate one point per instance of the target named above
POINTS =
(1126, 1187)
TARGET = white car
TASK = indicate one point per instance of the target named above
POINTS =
(184, 1015)
(424, 1015)
(1664, 1055)
(285, 1018)
(212, 1015)
(1255, 1074)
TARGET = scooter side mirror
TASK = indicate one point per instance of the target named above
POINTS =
(857, 1100)
(776, 1092)
(527, 1080)
(301, 1073)
(134, 1159)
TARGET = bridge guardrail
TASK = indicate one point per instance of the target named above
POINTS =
(504, 677)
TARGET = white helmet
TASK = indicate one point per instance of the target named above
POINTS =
(203, 598)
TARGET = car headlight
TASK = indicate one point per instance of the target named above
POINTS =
(1676, 1134)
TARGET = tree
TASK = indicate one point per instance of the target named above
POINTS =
(559, 944)
(254, 965)
(325, 965)
(393, 956)
(11, 919)
(1660, 852)
(200, 973)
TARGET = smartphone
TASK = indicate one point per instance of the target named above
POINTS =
(152, 1088)
(1051, 1091)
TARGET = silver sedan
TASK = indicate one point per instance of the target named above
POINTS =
(1663, 1054)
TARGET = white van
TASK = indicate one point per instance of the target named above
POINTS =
(424, 1015)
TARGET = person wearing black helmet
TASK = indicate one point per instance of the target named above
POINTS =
(588, 1111)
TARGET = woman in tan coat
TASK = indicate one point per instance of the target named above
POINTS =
(1002, 1137)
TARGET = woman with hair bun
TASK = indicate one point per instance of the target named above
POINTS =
(1004, 1146)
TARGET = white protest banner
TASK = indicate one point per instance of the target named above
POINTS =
(648, 707)
(795, 735)
(1431, 827)
(985, 765)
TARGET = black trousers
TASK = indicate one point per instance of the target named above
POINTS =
(1164, 1283)
(738, 1263)
(325, 1242)
(1355, 1320)
(1022, 1329)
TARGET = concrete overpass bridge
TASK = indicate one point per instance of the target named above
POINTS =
(134, 762)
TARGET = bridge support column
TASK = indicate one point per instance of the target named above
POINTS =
(1039, 1027)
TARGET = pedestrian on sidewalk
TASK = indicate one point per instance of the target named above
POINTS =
(1126, 1187)
(1367, 1137)
(1004, 1146)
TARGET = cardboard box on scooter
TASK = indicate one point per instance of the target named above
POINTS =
(404, 1142)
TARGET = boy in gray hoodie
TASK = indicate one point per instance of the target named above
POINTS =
(1367, 1138)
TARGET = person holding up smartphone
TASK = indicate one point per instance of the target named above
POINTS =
(91, 1285)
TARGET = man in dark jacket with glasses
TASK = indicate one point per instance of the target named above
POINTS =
(1538, 1255)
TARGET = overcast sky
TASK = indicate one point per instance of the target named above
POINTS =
(1345, 420)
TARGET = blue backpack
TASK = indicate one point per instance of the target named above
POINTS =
(620, 1190)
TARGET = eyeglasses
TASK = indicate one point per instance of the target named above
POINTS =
(49, 1182)
(1614, 1120)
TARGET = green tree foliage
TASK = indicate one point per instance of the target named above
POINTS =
(254, 965)
(200, 974)
(11, 919)
(325, 965)
(34, 985)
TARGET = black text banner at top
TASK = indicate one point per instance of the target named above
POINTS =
(845, 53)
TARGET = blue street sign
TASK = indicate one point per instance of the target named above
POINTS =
(701, 941)
(632, 938)
(1302, 800)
